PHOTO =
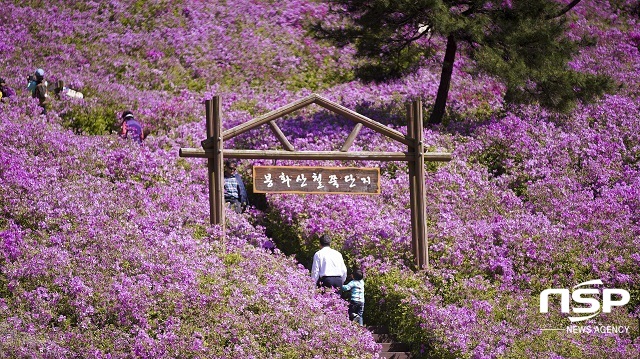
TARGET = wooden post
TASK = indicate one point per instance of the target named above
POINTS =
(412, 185)
(421, 215)
(215, 164)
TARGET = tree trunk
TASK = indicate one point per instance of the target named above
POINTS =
(445, 81)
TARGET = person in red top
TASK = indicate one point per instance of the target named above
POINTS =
(131, 128)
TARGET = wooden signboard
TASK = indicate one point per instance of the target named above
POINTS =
(320, 180)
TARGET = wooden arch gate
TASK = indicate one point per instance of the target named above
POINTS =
(212, 149)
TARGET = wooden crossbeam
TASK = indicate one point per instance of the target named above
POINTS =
(281, 137)
(354, 116)
(315, 155)
(351, 138)
(323, 102)
(270, 116)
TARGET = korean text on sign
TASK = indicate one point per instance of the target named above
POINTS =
(303, 179)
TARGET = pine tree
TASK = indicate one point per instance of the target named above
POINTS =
(521, 42)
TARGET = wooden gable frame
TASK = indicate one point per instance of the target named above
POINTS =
(212, 149)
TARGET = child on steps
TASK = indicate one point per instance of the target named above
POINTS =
(356, 303)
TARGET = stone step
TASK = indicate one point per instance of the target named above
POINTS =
(390, 348)
(382, 338)
(378, 329)
(395, 347)
(395, 355)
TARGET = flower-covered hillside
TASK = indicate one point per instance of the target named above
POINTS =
(532, 200)
(105, 253)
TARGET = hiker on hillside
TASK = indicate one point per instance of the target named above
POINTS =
(356, 302)
(235, 192)
(130, 128)
(328, 269)
(38, 88)
(5, 91)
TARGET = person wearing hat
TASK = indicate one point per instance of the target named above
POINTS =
(38, 88)
(5, 91)
(130, 128)
(328, 269)
(31, 81)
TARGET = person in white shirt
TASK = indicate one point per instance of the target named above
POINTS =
(328, 269)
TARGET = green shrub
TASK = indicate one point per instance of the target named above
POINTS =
(97, 120)
(388, 298)
(289, 238)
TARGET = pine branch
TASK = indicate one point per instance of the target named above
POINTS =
(565, 10)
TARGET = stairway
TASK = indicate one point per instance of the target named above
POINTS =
(390, 348)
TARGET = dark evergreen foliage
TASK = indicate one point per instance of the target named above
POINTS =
(521, 42)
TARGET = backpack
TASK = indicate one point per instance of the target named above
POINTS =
(41, 92)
